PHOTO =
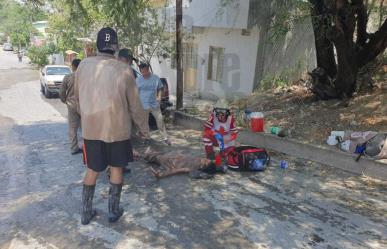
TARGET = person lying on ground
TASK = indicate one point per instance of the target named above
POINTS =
(178, 162)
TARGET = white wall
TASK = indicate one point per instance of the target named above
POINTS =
(291, 55)
(205, 13)
(239, 62)
(210, 13)
(163, 70)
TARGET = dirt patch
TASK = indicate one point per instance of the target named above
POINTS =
(295, 109)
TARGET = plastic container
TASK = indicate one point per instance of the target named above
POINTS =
(284, 164)
(338, 134)
(257, 121)
(275, 130)
(248, 114)
(332, 140)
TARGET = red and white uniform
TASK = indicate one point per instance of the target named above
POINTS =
(227, 129)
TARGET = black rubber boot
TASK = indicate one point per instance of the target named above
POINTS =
(87, 204)
(115, 212)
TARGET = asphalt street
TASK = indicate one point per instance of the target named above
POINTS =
(305, 206)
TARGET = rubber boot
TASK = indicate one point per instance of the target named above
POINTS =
(115, 212)
(87, 204)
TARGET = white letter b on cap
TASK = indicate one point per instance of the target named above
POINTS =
(107, 37)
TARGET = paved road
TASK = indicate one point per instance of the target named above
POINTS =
(306, 206)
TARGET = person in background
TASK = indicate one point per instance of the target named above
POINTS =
(108, 101)
(150, 87)
(126, 56)
(20, 56)
(66, 95)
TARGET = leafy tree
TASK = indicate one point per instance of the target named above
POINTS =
(17, 21)
(72, 19)
(343, 44)
(140, 27)
(38, 55)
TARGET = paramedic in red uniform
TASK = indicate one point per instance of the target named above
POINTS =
(219, 122)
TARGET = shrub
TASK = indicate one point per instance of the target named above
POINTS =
(38, 55)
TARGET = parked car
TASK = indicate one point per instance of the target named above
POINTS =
(51, 79)
(7, 47)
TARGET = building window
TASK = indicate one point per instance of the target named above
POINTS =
(190, 55)
(215, 64)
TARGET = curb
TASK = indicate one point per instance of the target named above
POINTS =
(320, 154)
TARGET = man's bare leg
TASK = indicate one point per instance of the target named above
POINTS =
(115, 211)
(90, 177)
(115, 175)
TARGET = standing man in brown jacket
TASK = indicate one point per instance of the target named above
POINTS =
(108, 101)
(66, 95)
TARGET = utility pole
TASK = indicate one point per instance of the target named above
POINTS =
(179, 61)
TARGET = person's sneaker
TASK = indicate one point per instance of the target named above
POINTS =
(221, 168)
(147, 141)
(197, 174)
(78, 151)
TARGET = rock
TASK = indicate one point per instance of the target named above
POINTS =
(354, 123)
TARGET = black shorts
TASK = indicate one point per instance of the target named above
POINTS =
(98, 155)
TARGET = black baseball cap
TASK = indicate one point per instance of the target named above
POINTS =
(127, 54)
(107, 40)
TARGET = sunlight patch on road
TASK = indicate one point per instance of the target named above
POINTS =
(23, 103)
(26, 241)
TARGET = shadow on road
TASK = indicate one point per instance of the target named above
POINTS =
(305, 206)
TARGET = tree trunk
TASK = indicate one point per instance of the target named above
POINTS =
(324, 48)
(323, 75)
(345, 81)
(336, 23)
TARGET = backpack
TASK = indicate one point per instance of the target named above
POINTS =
(248, 158)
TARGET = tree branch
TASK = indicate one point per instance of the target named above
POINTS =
(376, 45)
(361, 24)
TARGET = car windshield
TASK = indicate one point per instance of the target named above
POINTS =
(58, 70)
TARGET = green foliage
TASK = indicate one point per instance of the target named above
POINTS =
(139, 26)
(70, 20)
(283, 79)
(39, 55)
(137, 23)
(274, 81)
(286, 14)
(16, 21)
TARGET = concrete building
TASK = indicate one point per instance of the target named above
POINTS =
(228, 49)
(40, 39)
